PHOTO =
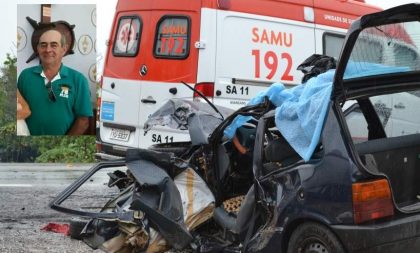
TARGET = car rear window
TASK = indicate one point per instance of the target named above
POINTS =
(410, 55)
(386, 49)
(127, 37)
(172, 37)
(395, 112)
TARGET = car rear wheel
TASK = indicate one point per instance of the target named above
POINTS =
(314, 238)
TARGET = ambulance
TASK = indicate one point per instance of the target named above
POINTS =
(227, 49)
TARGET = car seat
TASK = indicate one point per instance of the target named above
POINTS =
(278, 153)
(236, 223)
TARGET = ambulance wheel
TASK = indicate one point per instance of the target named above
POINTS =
(312, 237)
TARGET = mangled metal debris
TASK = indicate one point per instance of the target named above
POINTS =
(261, 191)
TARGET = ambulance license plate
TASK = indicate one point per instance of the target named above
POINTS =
(119, 134)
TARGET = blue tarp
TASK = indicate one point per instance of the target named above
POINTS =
(301, 110)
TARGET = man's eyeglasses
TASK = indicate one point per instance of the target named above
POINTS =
(51, 94)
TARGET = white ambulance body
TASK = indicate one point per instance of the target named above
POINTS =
(228, 49)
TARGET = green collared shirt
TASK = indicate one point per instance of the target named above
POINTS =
(72, 100)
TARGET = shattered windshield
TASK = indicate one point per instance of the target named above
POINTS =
(199, 118)
(385, 49)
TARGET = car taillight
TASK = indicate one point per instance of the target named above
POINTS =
(206, 88)
(372, 200)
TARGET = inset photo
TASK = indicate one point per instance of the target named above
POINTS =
(56, 69)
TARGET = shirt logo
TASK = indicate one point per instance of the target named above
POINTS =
(64, 92)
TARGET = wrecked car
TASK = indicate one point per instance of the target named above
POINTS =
(332, 165)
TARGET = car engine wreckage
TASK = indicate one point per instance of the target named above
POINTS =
(172, 196)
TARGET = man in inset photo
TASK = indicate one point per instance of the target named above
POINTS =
(57, 91)
(57, 95)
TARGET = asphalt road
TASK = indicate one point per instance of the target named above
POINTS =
(26, 190)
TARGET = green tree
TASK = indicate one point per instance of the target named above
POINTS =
(16, 148)
(66, 149)
(8, 90)
(2, 105)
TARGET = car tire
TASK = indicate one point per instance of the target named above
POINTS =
(76, 227)
(312, 237)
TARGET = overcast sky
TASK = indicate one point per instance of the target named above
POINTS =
(105, 13)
